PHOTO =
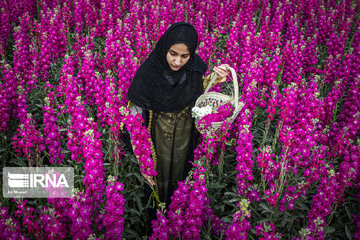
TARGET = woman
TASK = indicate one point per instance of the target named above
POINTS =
(164, 90)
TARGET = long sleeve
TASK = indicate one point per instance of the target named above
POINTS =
(208, 78)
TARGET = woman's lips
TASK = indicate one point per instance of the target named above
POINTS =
(175, 67)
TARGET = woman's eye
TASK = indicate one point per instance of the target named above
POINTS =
(172, 54)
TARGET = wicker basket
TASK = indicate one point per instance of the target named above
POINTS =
(216, 99)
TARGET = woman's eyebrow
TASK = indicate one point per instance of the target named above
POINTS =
(174, 52)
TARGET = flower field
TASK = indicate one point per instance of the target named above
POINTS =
(288, 167)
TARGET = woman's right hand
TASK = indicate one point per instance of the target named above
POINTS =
(150, 179)
(222, 71)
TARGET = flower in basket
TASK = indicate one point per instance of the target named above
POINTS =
(219, 115)
(200, 112)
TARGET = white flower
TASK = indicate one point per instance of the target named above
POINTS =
(202, 111)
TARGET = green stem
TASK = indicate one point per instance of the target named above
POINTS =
(221, 164)
(154, 192)
(334, 114)
(255, 115)
(277, 135)
(38, 8)
(265, 135)
(282, 172)
(116, 164)
(330, 217)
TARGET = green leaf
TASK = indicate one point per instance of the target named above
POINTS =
(234, 200)
(265, 207)
(18, 163)
(226, 219)
(231, 194)
(137, 176)
(130, 234)
(133, 211)
(348, 212)
(330, 230)
(348, 233)
(215, 185)
(302, 206)
(139, 204)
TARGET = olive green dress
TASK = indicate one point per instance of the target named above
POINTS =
(172, 137)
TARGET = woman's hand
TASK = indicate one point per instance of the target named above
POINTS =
(222, 71)
(150, 179)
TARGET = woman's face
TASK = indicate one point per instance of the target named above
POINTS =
(177, 56)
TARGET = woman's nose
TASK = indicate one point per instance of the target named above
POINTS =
(177, 60)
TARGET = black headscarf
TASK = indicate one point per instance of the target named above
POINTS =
(156, 86)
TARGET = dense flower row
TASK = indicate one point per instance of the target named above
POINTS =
(113, 220)
(51, 129)
(185, 215)
(9, 226)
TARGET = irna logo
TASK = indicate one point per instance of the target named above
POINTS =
(17, 180)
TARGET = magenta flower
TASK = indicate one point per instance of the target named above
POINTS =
(9, 226)
(113, 220)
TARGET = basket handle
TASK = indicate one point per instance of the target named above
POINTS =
(236, 87)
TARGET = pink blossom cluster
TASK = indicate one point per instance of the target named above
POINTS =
(9, 226)
(108, 111)
(142, 48)
(267, 231)
(113, 219)
(109, 103)
(87, 79)
(177, 208)
(9, 96)
(80, 212)
(244, 178)
(356, 221)
(25, 56)
(346, 128)
(196, 204)
(185, 215)
(15, 10)
(42, 223)
(28, 142)
(240, 225)
(140, 140)
(270, 170)
(52, 133)
(85, 16)
(160, 227)
(233, 45)
(331, 191)
(300, 134)
(4, 108)
(84, 140)
(88, 143)
(244, 167)
(52, 37)
(110, 12)
(125, 72)
(217, 225)
(73, 133)
(6, 26)
(213, 141)
(221, 114)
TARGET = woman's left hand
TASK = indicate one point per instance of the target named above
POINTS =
(222, 71)
(150, 179)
